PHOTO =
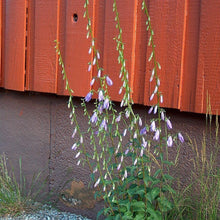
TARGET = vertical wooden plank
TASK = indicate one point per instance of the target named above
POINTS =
(43, 65)
(98, 30)
(13, 59)
(61, 39)
(111, 66)
(167, 19)
(208, 73)
(190, 57)
(76, 48)
(138, 68)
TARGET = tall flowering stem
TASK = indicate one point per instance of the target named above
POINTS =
(72, 107)
(127, 163)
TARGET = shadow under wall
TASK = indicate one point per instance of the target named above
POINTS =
(36, 127)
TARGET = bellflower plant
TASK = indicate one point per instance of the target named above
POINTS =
(128, 167)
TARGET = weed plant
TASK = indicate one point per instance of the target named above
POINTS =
(128, 165)
(16, 196)
(205, 186)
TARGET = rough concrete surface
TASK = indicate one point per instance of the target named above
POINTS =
(36, 127)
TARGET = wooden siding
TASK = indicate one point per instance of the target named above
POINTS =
(187, 38)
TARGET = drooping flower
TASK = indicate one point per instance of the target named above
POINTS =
(118, 118)
(135, 135)
(152, 96)
(181, 138)
(150, 110)
(88, 97)
(78, 162)
(142, 152)
(144, 143)
(74, 147)
(95, 170)
(74, 132)
(162, 115)
(77, 155)
(126, 152)
(152, 75)
(98, 55)
(122, 158)
(94, 61)
(101, 96)
(153, 126)
(140, 122)
(125, 174)
(90, 50)
(158, 82)
(125, 132)
(127, 114)
(120, 91)
(104, 188)
(143, 131)
(94, 118)
(155, 109)
(99, 73)
(156, 89)
(106, 104)
(169, 125)
(89, 68)
(104, 124)
(169, 141)
(157, 135)
(119, 166)
(97, 183)
(92, 81)
(81, 139)
(161, 99)
(122, 103)
(135, 162)
(109, 81)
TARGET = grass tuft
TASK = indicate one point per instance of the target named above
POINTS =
(15, 196)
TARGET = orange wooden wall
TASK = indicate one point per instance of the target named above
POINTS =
(187, 38)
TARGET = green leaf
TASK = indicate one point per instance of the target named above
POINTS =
(138, 204)
(154, 214)
(140, 216)
(151, 195)
(167, 177)
(167, 188)
(118, 217)
(164, 204)
(100, 213)
(157, 172)
(128, 216)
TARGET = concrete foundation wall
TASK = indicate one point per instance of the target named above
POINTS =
(36, 127)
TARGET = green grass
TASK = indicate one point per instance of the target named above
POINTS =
(200, 199)
(16, 196)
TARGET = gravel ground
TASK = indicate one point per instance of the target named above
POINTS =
(46, 213)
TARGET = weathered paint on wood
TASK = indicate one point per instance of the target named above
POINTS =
(208, 69)
(13, 53)
(187, 38)
(44, 30)
(167, 18)
(76, 46)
